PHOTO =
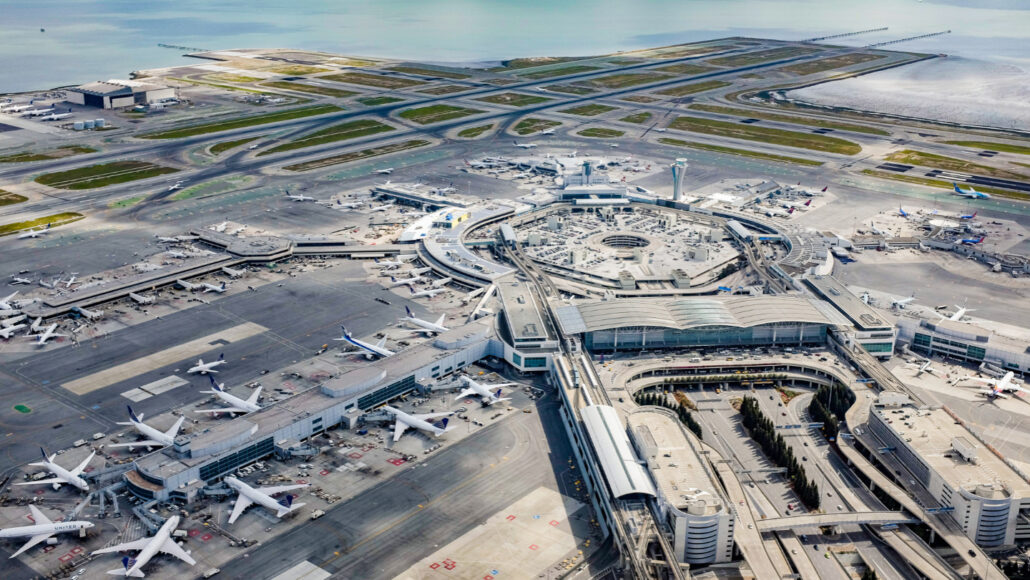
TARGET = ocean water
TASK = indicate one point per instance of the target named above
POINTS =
(88, 40)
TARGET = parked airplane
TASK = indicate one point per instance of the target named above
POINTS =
(902, 212)
(61, 475)
(71, 280)
(141, 299)
(18, 280)
(162, 541)
(299, 197)
(167, 240)
(901, 302)
(547, 132)
(154, 437)
(487, 396)
(34, 233)
(236, 404)
(18, 108)
(441, 282)
(238, 230)
(431, 292)
(973, 241)
(390, 264)
(176, 254)
(348, 205)
(187, 286)
(263, 497)
(36, 325)
(425, 325)
(957, 315)
(383, 207)
(403, 421)
(220, 228)
(472, 295)
(444, 190)
(968, 216)
(386, 171)
(1002, 385)
(205, 368)
(525, 145)
(405, 281)
(972, 193)
(212, 288)
(9, 331)
(37, 112)
(418, 271)
(42, 529)
(13, 320)
(5, 303)
(371, 350)
(231, 272)
(47, 334)
(56, 117)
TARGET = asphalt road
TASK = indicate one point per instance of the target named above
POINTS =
(383, 531)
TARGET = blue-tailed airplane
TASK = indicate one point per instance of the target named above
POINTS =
(970, 192)
(371, 350)
(972, 241)
(968, 216)
(902, 212)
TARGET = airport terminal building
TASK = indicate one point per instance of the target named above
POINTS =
(710, 321)
(991, 501)
(965, 342)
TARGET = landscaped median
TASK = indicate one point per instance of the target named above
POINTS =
(340, 132)
(356, 155)
(57, 219)
(945, 185)
(601, 133)
(58, 153)
(810, 121)
(241, 122)
(531, 125)
(741, 152)
(766, 135)
(436, 114)
(8, 198)
(103, 175)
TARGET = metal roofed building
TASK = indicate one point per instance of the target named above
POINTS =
(639, 323)
(872, 329)
(689, 497)
(522, 328)
(619, 463)
(181, 471)
(964, 341)
(115, 94)
(991, 500)
(426, 199)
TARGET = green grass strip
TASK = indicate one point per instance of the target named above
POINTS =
(340, 132)
(787, 119)
(242, 122)
(993, 146)
(224, 146)
(355, 155)
(766, 135)
(103, 175)
(58, 219)
(740, 152)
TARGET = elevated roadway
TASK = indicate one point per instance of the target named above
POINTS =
(835, 519)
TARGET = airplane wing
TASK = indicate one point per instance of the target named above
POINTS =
(78, 469)
(221, 410)
(242, 503)
(38, 516)
(398, 429)
(440, 321)
(127, 546)
(274, 489)
(170, 547)
(253, 399)
(432, 415)
(175, 428)
(32, 542)
(42, 481)
(144, 443)
(381, 343)
(466, 393)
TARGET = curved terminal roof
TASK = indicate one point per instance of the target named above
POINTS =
(687, 313)
(620, 465)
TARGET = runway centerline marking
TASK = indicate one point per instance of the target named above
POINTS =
(196, 347)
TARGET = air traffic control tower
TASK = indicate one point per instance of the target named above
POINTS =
(678, 169)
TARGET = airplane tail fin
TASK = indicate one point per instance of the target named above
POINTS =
(132, 415)
(214, 385)
(442, 424)
(46, 459)
(286, 501)
(408, 310)
(956, 187)
(497, 394)
(221, 356)
(345, 333)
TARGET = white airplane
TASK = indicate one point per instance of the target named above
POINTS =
(9, 331)
(49, 284)
(299, 197)
(47, 334)
(162, 541)
(926, 367)
(187, 238)
(383, 207)
(176, 185)
(1002, 385)
(441, 282)
(71, 280)
(525, 145)
(13, 320)
(390, 264)
(205, 368)
(166, 240)
(263, 497)
(220, 228)
(957, 315)
(371, 350)
(418, 271)
(18, 280)
(37, 112)
(17, 108)
(970, 192)
(42, 529)
(386, 171)
(5, 303)
(488, 397)
(405, 281)
(232, 273)
(348, 205)
(141, 299)
(238, 230)
(430, 293)
(34, 233)
(212, 288)
(425, 325)
(36, 325)
(236, 404)
(472, 295)
(154, 437)
(56, 117)
(176, 254)
(61, 475)
(547, 132)
(403, 421)
(902, 302)
(187, 286)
